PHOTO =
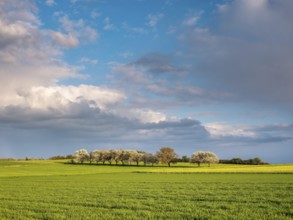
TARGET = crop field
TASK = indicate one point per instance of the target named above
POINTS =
(54, 190)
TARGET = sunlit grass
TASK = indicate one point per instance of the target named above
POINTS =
(227, 168)
(51, 167)
(54, 190)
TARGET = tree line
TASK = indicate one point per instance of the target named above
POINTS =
(253, 161)
(166, 155)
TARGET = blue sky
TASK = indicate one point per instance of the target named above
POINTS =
(194, 75)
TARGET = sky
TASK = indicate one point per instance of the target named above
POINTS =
(194, 75)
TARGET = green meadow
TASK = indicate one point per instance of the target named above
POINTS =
(55, 190)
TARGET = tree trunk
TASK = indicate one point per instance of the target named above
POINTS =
(169, 164)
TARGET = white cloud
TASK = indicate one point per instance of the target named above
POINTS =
(95, 14)
(60, 97)
(78, 29)
(108, 25)
(87, 60)
(222, 129)
(191, 21)
(142, 115)
(153, 19)
(126, 55)
(65, 40)
(27, 56)
(11, 32)
(172, 29)
(50, 2)
(133, 30)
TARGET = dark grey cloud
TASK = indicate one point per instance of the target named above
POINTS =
(47, 132)
(84, 126)
(260, 138)
(248, 53)
(158, 63)
(158, 80)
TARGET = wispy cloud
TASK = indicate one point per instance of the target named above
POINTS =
(133, 30)
(191, 21)
(95, 14)
(126, 55)
(50, 2)
(78, 29)
(153, 19)
(65, 40)
(108, 25)
(88, 60)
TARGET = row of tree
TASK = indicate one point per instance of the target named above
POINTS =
(165, 155)
(253, 161)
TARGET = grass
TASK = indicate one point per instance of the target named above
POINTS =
(54, 190)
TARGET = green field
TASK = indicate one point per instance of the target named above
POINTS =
(54, 190)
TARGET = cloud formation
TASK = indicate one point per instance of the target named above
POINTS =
(156, 76)
(244, 57)
(248, 53)
(78, 29)
(65, 40)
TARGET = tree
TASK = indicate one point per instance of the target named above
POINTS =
(124, 156)
(204, 157)
(109, 156)
(101, 155)
(135, 156)
(257, 161)
(82, 155)
(197, 157)
(185, 158)
(167, 155)
(96, 155)
(116, 156)
(91, 157)
(211, 157)
(236, 160)
(144, 158)
(148, 158)
(153, 159)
